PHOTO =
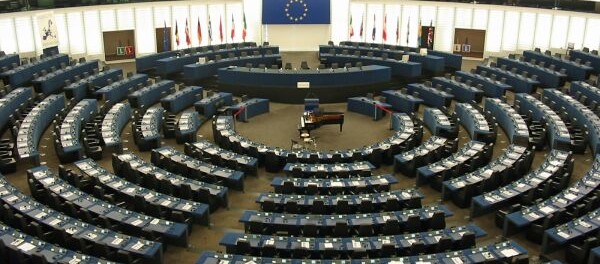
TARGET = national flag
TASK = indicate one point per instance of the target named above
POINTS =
(221, 28)
(384, 36)
(245, 30)
(176, 34)
(430, 35)
(397, 29)
(188, 40)
(374, 28)
(362, 23)
(351, 28)
(407, 31)
(199, 32)
(419, 33)
(209, 30)
(165, 37)
(232, 28)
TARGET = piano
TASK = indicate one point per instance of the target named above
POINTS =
(311, 120)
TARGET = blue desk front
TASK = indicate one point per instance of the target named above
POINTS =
(594, 59)
(398, 68)
(433, 64)
(197, 72)
(328, 85)
(174, 64)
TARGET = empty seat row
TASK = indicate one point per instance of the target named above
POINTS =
(320, 186)
(177, 162)
(479, 126)
(53, 82)
(209, 151)
(462, 92)
(502, 252)
(558, 132)
(341, 204)
(185, 130)
(509, 166)
(18, 247)
(509, 120)
(23, 74)
(341, 170)
(136, 170)
(181, 99)
(91, 177)
(33, 126)
(547, 179)
(362, 224)
(23, 212)
(118, 90)
(519, 83)
(86, 86)
(471, 156)
(151, 94)
(67, 142)
(440, 124)
(430, 151)
(461, 237)
(146, 129)
(58, 194)
(114, 121)
(492, 86)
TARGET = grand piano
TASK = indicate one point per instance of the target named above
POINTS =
(311, 120)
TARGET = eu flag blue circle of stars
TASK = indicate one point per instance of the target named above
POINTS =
(296, 10)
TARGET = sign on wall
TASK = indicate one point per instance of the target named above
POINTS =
(47, 28)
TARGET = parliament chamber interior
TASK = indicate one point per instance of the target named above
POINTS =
(299, 131)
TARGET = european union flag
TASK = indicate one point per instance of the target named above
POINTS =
(296, 12)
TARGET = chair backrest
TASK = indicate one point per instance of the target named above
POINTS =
(304, 65)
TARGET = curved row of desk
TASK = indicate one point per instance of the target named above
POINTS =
(341, 204)
(327, 186)
(62, 196)
(136, 170)
(342, 225)
(460, 237)
(154, 203)
(33, 126)
(501, 252)
(67, 143)
(329, 85)
(72, 233)
(407, 135)
(87, 86)
(550, 177)
(479, 126)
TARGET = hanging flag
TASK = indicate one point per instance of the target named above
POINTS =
(374, 28)
(351, 28)
(176, 34)
(165, 37)
(221, 28)
(245, 30)
(362, 23)
(209, 30)
(188, 40)
(407, 31)
(397, 29)
(419, 33)
(430, 35)
(384, 36)
(199, 32)
(232, 28)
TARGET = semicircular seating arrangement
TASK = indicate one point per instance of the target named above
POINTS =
(164, 163)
